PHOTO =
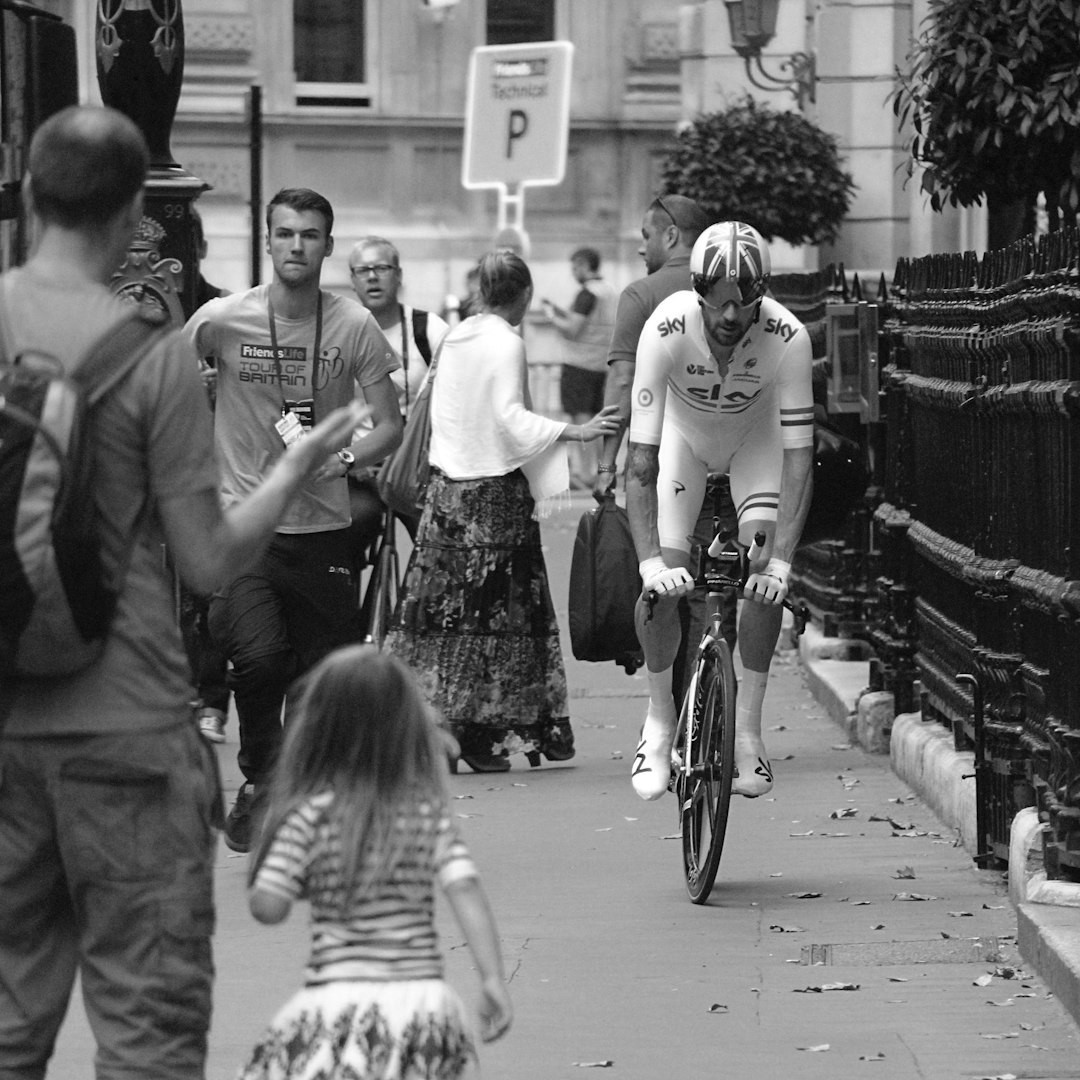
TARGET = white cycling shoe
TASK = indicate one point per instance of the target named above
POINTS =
(652, 759)
(754, 775)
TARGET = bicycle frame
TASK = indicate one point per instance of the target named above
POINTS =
(380, 597)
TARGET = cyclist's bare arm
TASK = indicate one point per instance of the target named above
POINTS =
(642, 470)
(796, 489)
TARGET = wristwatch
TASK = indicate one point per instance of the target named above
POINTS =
(347, 458)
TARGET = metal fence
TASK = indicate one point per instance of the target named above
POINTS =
(968, 577)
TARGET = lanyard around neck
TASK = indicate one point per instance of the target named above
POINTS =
(314, 358)
(404, 354)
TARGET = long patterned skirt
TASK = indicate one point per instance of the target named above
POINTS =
(407, 1030)
(476, 622)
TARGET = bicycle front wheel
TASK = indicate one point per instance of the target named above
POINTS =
(708, 770)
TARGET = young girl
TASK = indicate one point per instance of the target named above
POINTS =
(358, 823)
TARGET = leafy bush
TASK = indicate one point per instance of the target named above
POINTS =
(993, 94)
(774, 170)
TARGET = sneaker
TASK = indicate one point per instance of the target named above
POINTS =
(241, 824)
(651, 773)
(212, 725)
(753, 773)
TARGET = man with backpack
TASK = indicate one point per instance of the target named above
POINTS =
(414, 335)
(108, 793)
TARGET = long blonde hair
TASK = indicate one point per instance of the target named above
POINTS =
(363, 731)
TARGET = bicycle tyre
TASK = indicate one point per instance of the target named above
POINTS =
(704, 790)
(381, 597)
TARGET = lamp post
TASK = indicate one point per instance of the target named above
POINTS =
(753, 26)
(140, 67)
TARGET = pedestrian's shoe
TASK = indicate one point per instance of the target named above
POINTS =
(651, 772)
(241, 825)
(556, 743)
(481, 752)
(212, 725)
(753, 773)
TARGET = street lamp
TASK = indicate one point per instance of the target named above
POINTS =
(753, 26)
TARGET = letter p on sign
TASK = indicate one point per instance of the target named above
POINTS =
(517, 114)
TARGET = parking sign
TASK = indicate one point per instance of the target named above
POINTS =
(517, 114)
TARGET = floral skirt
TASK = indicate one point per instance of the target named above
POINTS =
(476, 622)
(353, 1030)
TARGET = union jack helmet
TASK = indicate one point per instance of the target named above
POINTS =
(731, 251)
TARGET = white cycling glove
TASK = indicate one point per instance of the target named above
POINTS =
(658, 577)
(771, 585)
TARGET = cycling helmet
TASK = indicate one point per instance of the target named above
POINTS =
(731, 251)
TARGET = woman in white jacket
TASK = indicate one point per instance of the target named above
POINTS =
(475, 621)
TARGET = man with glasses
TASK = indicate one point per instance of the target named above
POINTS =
(286, 354)
(722, 384)
(414, 335)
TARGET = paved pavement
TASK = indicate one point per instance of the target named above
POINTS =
(611, 967)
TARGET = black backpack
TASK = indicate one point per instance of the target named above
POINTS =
(58, 602)
(604, 588)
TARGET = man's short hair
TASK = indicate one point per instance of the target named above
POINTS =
(86, 163)
(685, 214)
(590, 256)
(302, 199)
(377, 241)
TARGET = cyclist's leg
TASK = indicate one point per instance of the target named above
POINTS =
(680, 487)
(755, 483)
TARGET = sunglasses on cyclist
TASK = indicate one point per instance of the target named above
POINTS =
(750, 290)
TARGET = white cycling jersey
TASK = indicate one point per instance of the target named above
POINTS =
(739, 424)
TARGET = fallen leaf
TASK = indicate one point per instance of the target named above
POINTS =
(914, 896)
(1003, 1035)
(672, 836)
(717, 1008)
(898, 978)
(783, 757)
(810, 832)
(905, 873)
(878, 926)
(607, 1063)
(776, 928)
(872, 1057)
(1002, 972)
(616, 755)
(946, 936)
(993, 907)
(464, 796)
(778, 727)
(844, 812)
(983, 980)
(814, 1049)
(860, 903)
(960, 914)
(606, 828)
(804, 895)
(825, 987)
(841, 746)
(1002, 1004)
(629, 819)
(779, 873)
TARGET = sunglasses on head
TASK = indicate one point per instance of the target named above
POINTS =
(750, 289)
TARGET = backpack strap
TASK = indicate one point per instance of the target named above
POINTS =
(419, 333)
(113, 356)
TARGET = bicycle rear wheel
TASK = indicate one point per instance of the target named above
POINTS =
(704, 783)
(381, 596)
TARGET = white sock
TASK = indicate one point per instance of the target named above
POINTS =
(755, 772)
(652, 761)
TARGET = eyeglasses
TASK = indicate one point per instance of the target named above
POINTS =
(750, 289)
(382, 269)
(663, 206)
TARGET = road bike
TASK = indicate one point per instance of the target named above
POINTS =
(703, 759)
(381, 595)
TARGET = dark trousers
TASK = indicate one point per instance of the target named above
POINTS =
(209, 663)
(278, 620)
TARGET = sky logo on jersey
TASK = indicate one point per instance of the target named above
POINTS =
(672, 326)
(778, 326)
(750, 363)
(696, 369)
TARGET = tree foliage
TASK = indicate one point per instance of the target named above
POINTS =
(993, 95)
(774, 170)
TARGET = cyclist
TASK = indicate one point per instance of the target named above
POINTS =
(722, 384)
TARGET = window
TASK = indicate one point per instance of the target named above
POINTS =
(513, 21)
(330, 44)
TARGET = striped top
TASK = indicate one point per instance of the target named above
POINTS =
(390, 931)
